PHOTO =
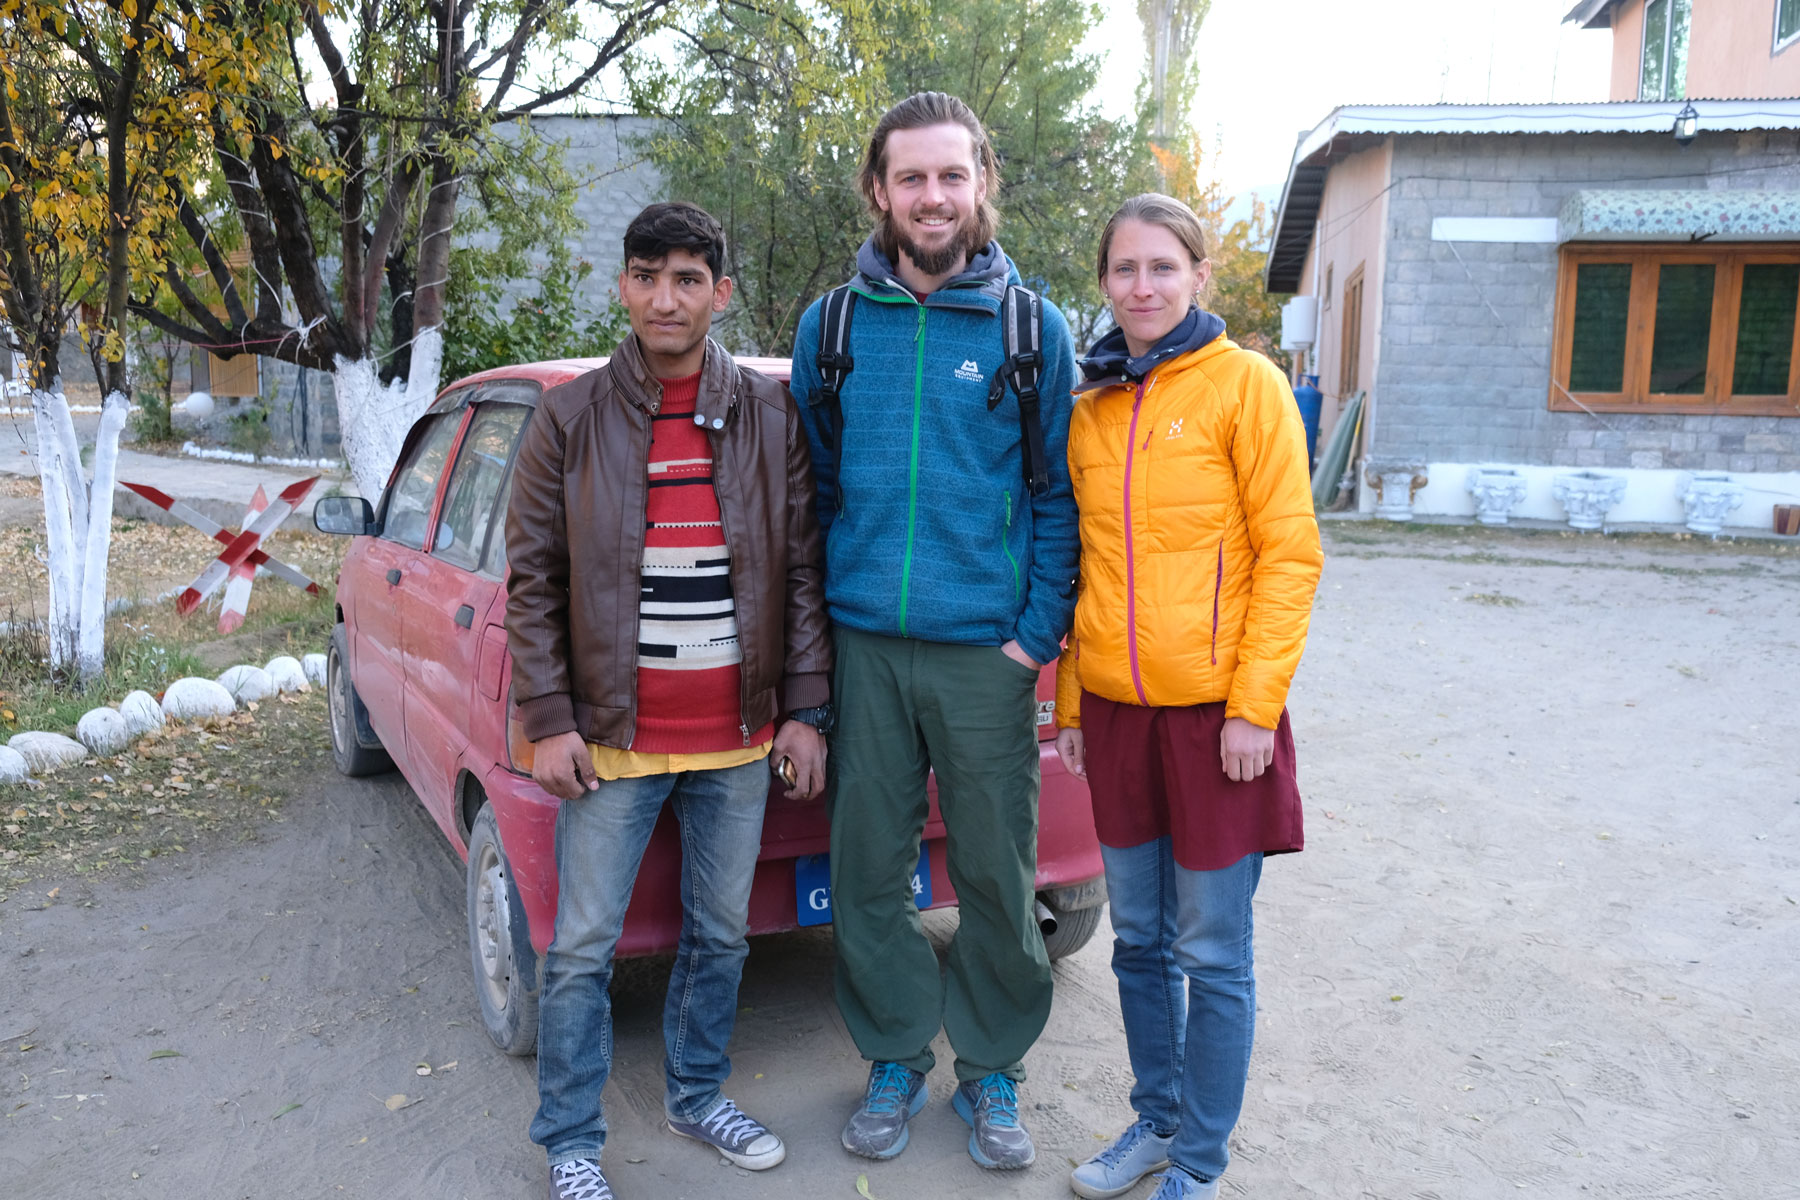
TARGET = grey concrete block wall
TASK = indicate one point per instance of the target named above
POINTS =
(1466, 330)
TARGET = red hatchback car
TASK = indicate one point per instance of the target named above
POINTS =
(418, 677)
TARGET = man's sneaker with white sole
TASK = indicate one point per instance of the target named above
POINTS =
(1117, 1169)
(741, 1139)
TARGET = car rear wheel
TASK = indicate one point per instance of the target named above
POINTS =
(504, 987)
(349, 719)
(1073, 930)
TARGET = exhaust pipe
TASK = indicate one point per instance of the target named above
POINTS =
(1045, 918)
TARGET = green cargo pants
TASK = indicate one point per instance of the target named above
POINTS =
(905, 708)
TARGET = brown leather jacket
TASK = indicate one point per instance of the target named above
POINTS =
(572, 609)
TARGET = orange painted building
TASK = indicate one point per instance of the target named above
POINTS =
(1707, 49)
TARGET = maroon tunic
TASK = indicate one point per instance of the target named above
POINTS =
(1155, 772)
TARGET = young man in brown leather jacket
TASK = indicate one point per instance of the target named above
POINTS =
(665, 587)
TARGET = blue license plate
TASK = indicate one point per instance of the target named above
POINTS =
(812, 886)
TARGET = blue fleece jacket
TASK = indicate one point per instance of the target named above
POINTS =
(929, 530)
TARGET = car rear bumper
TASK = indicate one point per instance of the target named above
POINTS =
(1069, 866)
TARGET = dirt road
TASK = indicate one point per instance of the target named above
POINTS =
(1544, 941)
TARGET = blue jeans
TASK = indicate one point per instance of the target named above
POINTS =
(1187, 992)
(600, 840)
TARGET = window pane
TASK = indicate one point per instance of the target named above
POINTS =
(1684, 301)
(1787, 22)
(1656, 36)
(480, 466)
(1765, 332)
(1678, 50)
(409, 504)
(1602, 307)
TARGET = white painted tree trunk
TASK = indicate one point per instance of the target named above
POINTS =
(373, 420)
(91, 641)
(78, 527)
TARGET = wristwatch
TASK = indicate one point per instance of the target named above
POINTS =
(822, 717)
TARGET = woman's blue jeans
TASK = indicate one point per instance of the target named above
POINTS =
(600, 839)
(1187, 991)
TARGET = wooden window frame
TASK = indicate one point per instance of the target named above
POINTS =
(1646, 261)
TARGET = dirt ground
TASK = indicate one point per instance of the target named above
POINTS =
(1544, 941)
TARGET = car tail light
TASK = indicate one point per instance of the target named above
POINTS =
(520, 753)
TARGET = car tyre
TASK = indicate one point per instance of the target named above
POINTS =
(1073, 930)
(349, 720)
(500, 951)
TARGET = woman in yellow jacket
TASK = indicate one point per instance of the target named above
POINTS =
(1199, 557)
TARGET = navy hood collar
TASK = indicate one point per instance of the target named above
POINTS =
(988, 267)
(1110, 359)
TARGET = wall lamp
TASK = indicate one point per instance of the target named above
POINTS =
(1687, 124)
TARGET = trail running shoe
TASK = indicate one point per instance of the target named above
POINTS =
(877, 1129)
(991, 1107)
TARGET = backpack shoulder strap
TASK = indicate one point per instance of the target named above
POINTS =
(1022, 328)
(834, 362)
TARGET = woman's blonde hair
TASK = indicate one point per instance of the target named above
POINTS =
(1154, 208)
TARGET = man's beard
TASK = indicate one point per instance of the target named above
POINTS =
(943, 260)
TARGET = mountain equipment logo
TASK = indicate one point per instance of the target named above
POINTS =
(969, 371)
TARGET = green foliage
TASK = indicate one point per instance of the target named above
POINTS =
(248, 430)
(770, 114)
(563, 320)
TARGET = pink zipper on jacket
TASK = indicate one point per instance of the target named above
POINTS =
(1137, 680)
(1218, 586)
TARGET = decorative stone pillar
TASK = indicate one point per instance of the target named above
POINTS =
(1588, 496)
(1396, 481)
(1707, 498)
(1497, 491)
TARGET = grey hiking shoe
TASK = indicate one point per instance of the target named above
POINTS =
(741, 1139)
(991, 1107)
(1177, 1184)
(579, 1180)
(877, 1129)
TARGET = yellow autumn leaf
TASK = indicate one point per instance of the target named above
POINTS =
(129, 8)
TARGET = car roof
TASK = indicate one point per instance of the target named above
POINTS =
(555, 371)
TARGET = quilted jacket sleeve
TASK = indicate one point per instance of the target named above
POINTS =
(1269, 458)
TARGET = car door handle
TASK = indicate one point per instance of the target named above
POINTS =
(465, 616)
(393, 575)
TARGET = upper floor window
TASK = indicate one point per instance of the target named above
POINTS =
(1663, 75)
(1787, 22)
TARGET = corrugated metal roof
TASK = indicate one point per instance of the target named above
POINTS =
(1592, 14)
(1356, 127)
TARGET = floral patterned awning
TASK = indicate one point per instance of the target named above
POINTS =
(1654, 216)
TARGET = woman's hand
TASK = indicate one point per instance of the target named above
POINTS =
(1071, 747)
(1245, 750)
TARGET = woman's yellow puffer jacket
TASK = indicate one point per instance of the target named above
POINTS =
(1199, 549)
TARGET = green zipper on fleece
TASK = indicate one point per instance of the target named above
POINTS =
(912, 479)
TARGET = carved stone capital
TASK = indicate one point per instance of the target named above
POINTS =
(1497, 491)
(1707, 498)
(1396, 481)
(1587, 496)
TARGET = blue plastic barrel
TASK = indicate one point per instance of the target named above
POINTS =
(1311, 400)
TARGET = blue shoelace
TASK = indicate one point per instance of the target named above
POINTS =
(1114, 1154)
(889, 1086)
(1000, 1096)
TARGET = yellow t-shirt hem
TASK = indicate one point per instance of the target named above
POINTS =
(612, 763)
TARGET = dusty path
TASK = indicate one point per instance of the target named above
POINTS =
(1544, 941)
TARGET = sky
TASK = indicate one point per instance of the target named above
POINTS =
(1271, 69)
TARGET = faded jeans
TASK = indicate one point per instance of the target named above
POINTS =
(1187, 992)
(600, 839)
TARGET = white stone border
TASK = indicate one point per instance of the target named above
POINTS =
(1652, 497)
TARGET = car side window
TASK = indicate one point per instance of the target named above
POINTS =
(409, 500)
(496, 551)
(469, 508)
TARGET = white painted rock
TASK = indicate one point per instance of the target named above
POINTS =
(141, 712)
(314, 666)
(13, 767)
(103, 731)
(47, 751)
(286, 673)
(247, 683)
(196, 699)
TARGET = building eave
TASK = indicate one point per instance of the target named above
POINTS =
(1357, 127)
(1592, 14)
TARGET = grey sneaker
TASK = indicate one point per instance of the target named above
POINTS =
(741, 1139)
(579, 1180)
(1177, 1184)
(991, 1107)
(1117, 1169)
(877, 1129)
